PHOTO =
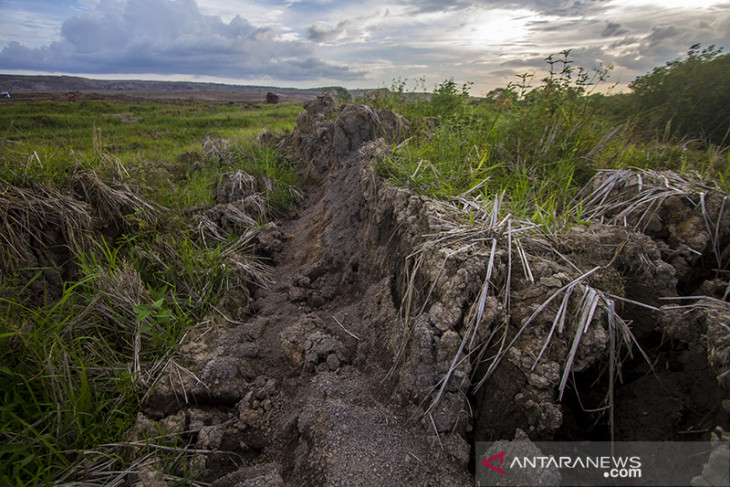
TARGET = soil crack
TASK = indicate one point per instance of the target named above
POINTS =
(393, 335)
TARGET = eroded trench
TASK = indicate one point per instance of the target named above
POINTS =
(394, 336)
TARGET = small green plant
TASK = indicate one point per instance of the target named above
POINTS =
(58, 385)
(539, 142)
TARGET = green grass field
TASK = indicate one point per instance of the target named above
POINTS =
(41, 140)
(86, 329)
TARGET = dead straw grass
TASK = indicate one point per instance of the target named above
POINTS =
(115, 201)
(38, 216)
(633, 197)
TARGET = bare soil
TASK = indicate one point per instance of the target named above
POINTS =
(295, 391)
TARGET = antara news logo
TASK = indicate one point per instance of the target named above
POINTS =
(613, 467)
(602, 463)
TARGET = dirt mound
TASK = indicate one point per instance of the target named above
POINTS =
(396, 332)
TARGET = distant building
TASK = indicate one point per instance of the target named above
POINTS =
(5, 94)
(272, 98)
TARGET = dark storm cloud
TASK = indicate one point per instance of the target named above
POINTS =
(613, 29)
(323, 33)
(626, 41)
(662, 34)
(170, 37)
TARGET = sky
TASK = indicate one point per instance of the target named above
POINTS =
(351, 43)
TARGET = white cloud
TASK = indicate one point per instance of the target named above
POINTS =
(256, 12)
(36, 30)
(170, 37)
(668, 4)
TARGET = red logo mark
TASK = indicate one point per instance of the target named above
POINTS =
(501, 460)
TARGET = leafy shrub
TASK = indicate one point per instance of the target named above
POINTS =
(687, 97)
(448, 101)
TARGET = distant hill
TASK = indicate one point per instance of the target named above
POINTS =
(55, 84)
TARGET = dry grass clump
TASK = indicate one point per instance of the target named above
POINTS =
(631, 197)
(200, 270)
(35, 217)
(117, 292)
(718, 338)
(243, 201)
(235, 186)
(115, 202)
(40, 216)
(216, 149)
(635, 199)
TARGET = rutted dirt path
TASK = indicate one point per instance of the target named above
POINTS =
(377, 354)
(296, 393)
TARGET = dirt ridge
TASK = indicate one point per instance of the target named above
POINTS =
(355, 366)
(300, 382)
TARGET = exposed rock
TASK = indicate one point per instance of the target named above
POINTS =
(210, 437)
(149, 477)
(224, 379)
(292, 342)
(264, 475)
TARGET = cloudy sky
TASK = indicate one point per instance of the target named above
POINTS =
(352, 43)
